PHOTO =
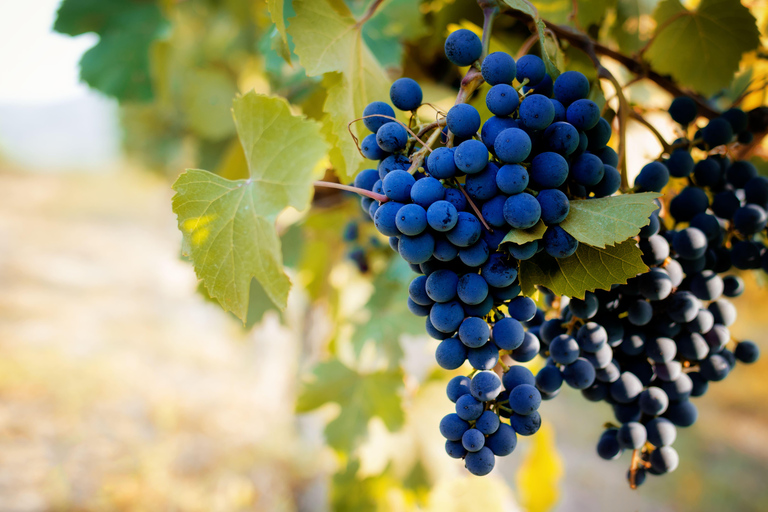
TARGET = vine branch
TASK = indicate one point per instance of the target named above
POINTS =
(367, 193)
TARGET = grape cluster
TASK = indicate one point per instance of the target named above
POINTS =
(649, 346)
(448, 213)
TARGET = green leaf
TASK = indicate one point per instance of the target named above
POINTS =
(276, 13)
(229, 226)
(523, 236)
(119, 64)
(328, 40)
(631, 29)
(588, 269)
(528, 8)
(701, 49)
(592, 12)
(609, 220)
(361, 397)
(394, 22)
(207, 101)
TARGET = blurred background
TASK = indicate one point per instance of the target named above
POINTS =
(122, 387)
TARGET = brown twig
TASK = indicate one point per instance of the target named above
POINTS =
(373, 195)
(638, 67)
(633, 469)
(527, 45)
(473, 205)
(634, 114)
(369, 12)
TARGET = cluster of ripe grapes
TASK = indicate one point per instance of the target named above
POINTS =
(450, 207)
(645, 347)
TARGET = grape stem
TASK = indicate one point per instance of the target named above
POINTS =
(667, 147)
(634, 65)
(527, 45)
(369, 12)
(418, 157)
(633, 468)
(357, 141)
(489, 14)
(381, 198)
(473, 205)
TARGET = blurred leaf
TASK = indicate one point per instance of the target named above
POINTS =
(523, 236)
(229, 225)
(280, 45)
(708, 43)
(633, 24)
(119, 64)
(207, 102)
(608, 220)
(592, 12)
(547, 52)
(540, 473)
(390, 317)
(588, 269)
(394, 22)
(328, 41)
(361, 397)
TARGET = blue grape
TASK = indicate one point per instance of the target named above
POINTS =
(583, 114)
(427, 191)
(445, 250)
(632, 435)
(471, 156)
(502, 100)
(653, 177)
(475, 255)
(463, 120)
(526, 425)
(416, 249)
(385, 218)
(548, 170)
(756, 191)
(441, 163)
(610, 183)
(493, 127)
(474, 332)
(508, 334)
(627, 388)
(683, 110)
(747, 352)
(512, 146)
(690, 202)
(607, 155)
(451, 354)
(498, 68)
(455, 449)
(447, 316)
(493, 211)
(473, 440)
(690, 243)
(488, 423)
(397, 186)
(452, 427)
(485, 386)
(463, 47)
(472, 289)
(561, 138)
(467, 230)
(442, 285)
(482, 186)
(483, 358)
(481, 462)
(516, 376)
(406, 94)
(528, 350)
(750, 219)
(418, 309)
(468, 408)
(513, 179)
(571, 86)
(587, 169)
(522, 211)
(536, 112)
(682, 413)
(457, 387)
(499, 271)
(544, 87)
(653, 401)
(524, 399)
(558, 243)
(680, 163)
(560, 111)
(411, 219)
(442, 216)
(525, 251)
(580, 374)
(417, 291)
(608, 446)
(522, 309)
(481, 309)
(740, 173)
(718, 132)
(554, 206)
(564, 349)
(664, 460)
(371, 150)
(377, 109)
(532, 68)
(392, 137)
(598, 137)
(366, 178)
(503, 441)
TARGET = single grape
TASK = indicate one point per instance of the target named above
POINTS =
(683, 110)
(532, 68)
(522, 211)
(406, 94)
(468, 408)
(536, 112)
(485, 386)
(441, 163)
(463, 120)
(512, 146)
(583, 114)
(547, 170)
(373, 115)
(463, 47)
(558, 243)
(502, 99)
(451, 354)
(498, 68)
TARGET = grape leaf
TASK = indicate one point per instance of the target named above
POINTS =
(523, 236)
(540, 473)
(207, 97)
(276, 13)
(119, 64)
(328, 40)
(591, 12)
(528, 8)
(394, 22)
(609, 220)
(229, 226)
(361, 397)
(588, 269)
(708, 42)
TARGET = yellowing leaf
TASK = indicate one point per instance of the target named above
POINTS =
(523, 236)
(276, 12)
(708, 42)
(229, 226)
(609, 220)
(588, 269)
(328, 40)
(361, 397)
(540, 472)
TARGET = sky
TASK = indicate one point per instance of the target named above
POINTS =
(49, 120)
(38, 66)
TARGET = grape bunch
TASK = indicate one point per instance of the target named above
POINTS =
(449, 208)
(647, 347)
